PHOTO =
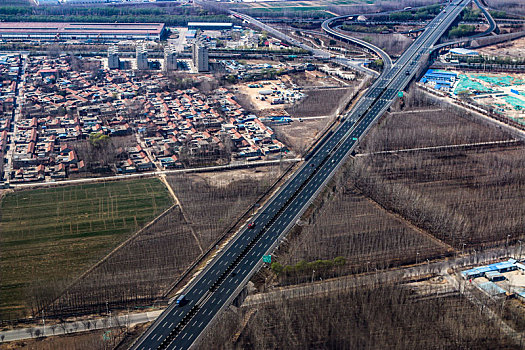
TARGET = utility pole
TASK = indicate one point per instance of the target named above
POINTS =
(44, 323)
(519, 256)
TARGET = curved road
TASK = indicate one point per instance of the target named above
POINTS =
(326, 27)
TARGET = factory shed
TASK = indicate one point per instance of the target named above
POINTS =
(439, 76)
(504, 266)
(492, 289)
(210, 25)
(494, 276)
(472, 273)
(463, 52)
(81, 31)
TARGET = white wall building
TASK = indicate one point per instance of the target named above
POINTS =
(113, 57)
(142, 57)
(170, 58)
(199, 56)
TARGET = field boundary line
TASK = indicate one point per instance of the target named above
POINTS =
(394, 215)
(112, 252)
(162, 178)
(417, 111)
(466, 146)
(449, 248)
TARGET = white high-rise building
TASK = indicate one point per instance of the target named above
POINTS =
(170, 58)
(142, 57)
(113, 57)
(200, 57)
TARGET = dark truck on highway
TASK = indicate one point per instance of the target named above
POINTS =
(181, 300)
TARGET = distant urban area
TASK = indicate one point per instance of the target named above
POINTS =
(262, 174)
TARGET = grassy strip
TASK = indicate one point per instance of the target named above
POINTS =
(53, 234)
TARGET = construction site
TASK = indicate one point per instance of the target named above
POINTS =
(501, 93)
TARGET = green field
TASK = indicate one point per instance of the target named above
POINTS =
(50, 236)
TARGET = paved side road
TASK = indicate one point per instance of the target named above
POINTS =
(232, 166)
(79, 326)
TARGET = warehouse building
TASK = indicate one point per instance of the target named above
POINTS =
(81, 31)
(210, 25)
(482, 271)
(439, 79)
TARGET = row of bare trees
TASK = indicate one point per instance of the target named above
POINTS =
(380, 315)
(462, 197)
(347, 224)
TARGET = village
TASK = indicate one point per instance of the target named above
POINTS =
(163, 128)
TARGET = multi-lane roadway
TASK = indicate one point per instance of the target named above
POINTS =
(215, 287)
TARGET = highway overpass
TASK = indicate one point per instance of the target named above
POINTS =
(220, 282)
(316, 52)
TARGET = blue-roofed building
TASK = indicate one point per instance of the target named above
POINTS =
(504, 266)
(439, 79)
(471, 274)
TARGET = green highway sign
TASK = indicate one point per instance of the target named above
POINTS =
(267, 258)
(106, 336)
(400, 94)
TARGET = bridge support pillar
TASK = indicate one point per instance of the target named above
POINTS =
(242, 295)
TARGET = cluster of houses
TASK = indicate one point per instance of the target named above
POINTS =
(188, 126)
(176, 128)
(10, 66)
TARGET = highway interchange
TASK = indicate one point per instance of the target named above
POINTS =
(220, 282)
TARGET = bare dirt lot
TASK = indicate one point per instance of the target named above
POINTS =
(320, 102)
(313, 78)
(262, 101)
(514, 48)
(298, 136)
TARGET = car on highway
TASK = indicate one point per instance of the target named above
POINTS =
(251, 225)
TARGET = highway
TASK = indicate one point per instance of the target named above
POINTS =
(221, 281)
